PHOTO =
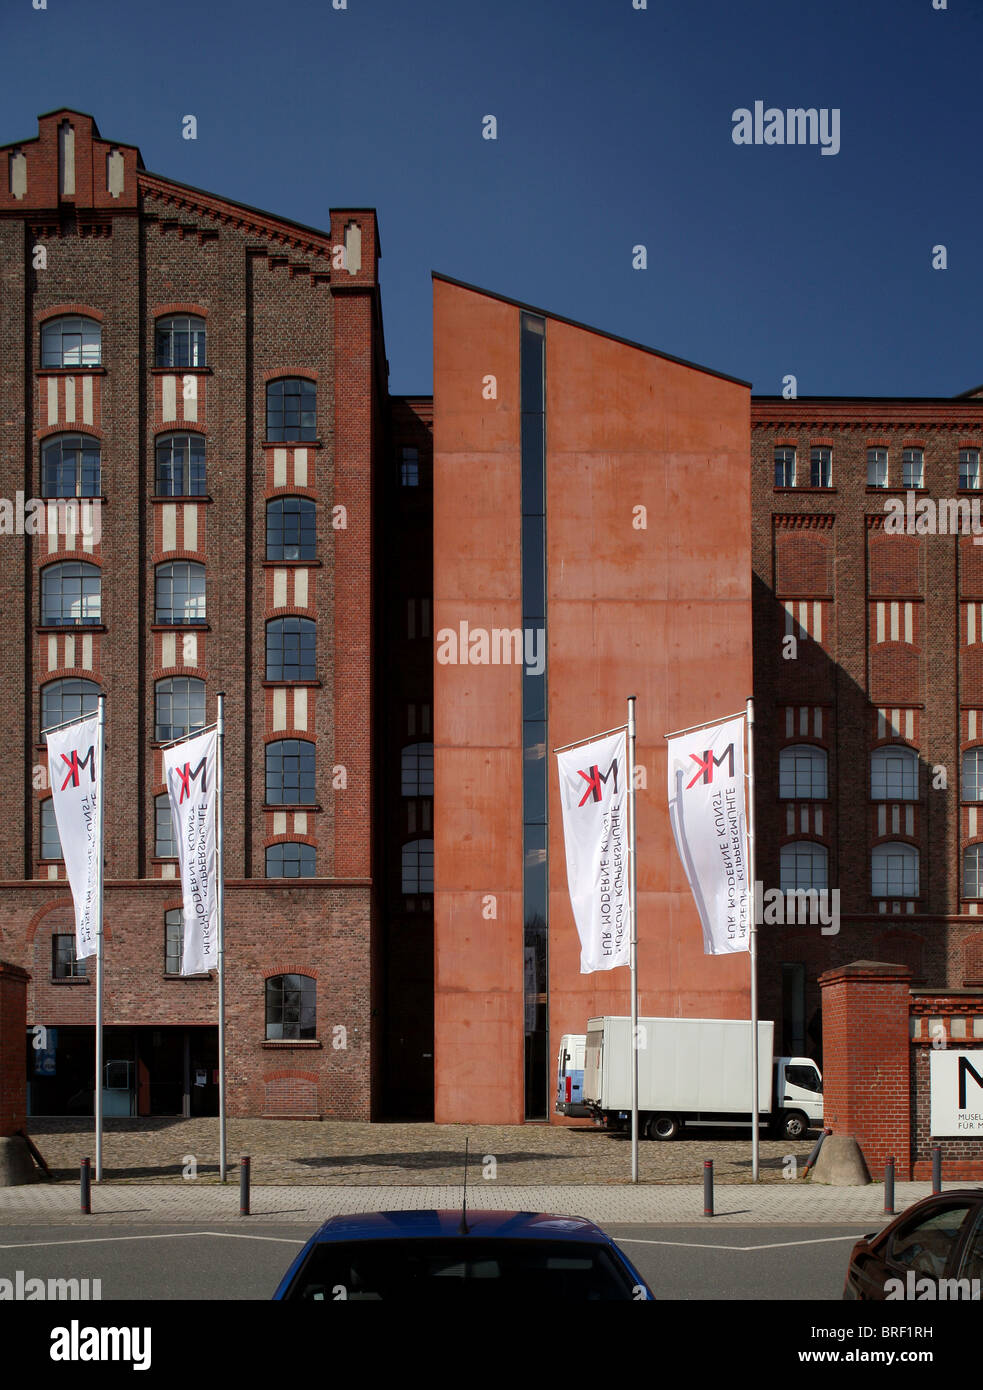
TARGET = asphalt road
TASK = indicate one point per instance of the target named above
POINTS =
(216, 1261)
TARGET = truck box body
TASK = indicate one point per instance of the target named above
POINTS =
(685, 1065)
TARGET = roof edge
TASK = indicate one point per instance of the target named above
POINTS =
(589, 328)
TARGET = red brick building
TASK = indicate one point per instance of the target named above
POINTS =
(215, 376)
(868, 658)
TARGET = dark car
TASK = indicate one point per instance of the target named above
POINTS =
(506, 1256)
(933, 1250)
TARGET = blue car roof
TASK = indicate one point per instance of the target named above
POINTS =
(406, 1225)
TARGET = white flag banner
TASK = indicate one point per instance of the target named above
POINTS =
(709, 822)
(189, 769)
(594, 797)
(76, 780)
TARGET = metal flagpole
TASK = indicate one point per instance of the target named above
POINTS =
(754, 940)
(633, 949)
(220, 904)
(100, 857)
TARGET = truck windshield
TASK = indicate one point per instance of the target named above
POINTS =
(804, 1077)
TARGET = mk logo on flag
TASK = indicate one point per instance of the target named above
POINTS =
(706, 764)
(75, 764)
(187, 777)
(595, 779)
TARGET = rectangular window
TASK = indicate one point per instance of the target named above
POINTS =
(912, 468)
(409, 475)
(969, 468)
(784, 467)
(877, 468)
(64, 963)
(173, 941)
(821, 466)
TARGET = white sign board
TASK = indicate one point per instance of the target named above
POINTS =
(956, 1088)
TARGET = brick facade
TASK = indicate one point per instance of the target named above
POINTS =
(862, 643)
(278, 300)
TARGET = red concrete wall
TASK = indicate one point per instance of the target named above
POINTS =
(661, 611)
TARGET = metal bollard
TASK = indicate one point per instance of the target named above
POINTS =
(86, 1187)
(936, 1168)
(810, 1161)
(889, 1187)
(708, 1187)
(244, 1186)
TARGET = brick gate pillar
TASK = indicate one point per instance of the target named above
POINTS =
(13, 1029)
(866, 1059)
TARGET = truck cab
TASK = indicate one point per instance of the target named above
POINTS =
(798, 1097)
(570, 1076)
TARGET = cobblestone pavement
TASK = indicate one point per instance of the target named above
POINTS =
(335, 1152)
(794, 1204)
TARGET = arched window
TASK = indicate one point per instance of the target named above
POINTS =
(180, 707)
(173, 941)
(802, 773)
(290, 649)
(72, 341)
(50, 839)
(894, 871)
(180, 592)
(291, 529)
(165, 846)
(180, 465)
(804, 864)
(418, 866)
(290, 772)
(972, 787)
(973, 871)
(70, 593)
(290, 859)
(67, 699)
(71, 466)
(894, 773)
(291, 1007)
(417, 770)
(291, 410)
(179, 341)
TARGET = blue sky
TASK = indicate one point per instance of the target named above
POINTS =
(614, 130)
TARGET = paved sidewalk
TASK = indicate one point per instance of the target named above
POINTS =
(792, 1203)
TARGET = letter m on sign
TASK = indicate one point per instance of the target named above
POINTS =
(966, 1065)
(186, 777)
(596, 778)
(706, 764)
(75, 764)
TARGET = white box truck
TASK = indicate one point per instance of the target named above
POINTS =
(697, 1071)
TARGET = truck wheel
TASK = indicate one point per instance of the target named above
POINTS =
(663, 1127)
(795, 1125)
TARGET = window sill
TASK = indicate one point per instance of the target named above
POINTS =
(182, 497)
(70, 980)
(180, 627)
(75, 497)
(169, 975)
(805, 489)
(294, 805)
(280, 564)
(72, 371)
(181, 371)
(273, 685)
(292, 444)
(72, 627)
(308, 1044)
